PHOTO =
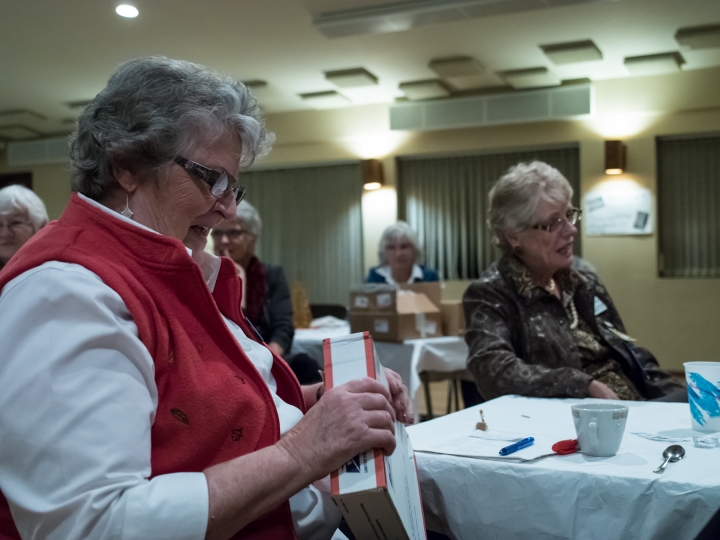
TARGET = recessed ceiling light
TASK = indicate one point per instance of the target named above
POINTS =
(699, 37)
(654, 64)
(351, 78)
(325, 100)
(530, 78)
(458, 66)
(430, 89)
(572, 52)
(126, 10)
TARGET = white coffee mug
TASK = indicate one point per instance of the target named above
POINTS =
(599, 427)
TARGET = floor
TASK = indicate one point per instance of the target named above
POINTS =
(438, 397)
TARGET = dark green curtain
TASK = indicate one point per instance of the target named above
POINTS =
(445, 200)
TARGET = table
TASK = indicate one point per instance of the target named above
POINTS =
(409, 359)
(572, 497)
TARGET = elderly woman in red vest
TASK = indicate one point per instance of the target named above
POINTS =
(135, 399)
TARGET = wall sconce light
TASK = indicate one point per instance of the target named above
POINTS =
(615, 157)
(372, 174)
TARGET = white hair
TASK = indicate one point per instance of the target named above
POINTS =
(515, 197)
(249, 217)
(394, 232)
(19, 198)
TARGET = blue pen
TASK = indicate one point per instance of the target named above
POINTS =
(517, 446)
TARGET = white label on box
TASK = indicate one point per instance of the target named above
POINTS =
(382, 326)
(362, 302)
(384, 300)
(430, 327)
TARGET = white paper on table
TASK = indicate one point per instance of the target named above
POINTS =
(660, 438)
(478, 444)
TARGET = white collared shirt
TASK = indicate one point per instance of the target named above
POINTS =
(77, 403)
(386, 272)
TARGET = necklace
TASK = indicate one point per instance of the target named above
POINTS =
(551, 287)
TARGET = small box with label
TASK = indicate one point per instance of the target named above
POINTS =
(373, 297)
(378, 495)
(412, 316)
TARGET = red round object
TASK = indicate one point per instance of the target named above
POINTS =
(568, 446)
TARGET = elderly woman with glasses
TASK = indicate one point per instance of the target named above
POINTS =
(135, 399)
(22, 214)
(266, 295)
(539, 322)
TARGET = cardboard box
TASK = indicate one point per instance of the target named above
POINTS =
(431, 289)
(373, 297)
(453, 318)
(414, 317)
(378, 495)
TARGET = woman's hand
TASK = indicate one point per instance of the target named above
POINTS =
(349, 419)
(400, 398)
(596, 389)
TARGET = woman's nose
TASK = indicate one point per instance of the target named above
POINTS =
(227, 206)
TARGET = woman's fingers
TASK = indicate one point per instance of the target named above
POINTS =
(400, 397)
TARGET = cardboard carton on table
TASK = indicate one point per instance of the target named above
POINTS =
(407, 315)
(378, 495)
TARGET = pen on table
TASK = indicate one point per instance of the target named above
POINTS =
(517, 446)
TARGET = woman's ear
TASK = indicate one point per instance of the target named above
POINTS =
(512, 238)
(127, 179)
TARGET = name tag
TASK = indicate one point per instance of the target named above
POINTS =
(600, 307)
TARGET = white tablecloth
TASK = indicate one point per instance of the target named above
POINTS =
(409, 358)
(570, 497)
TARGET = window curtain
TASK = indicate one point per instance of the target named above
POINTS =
(312, 226)
(445, 200)
(689, 206)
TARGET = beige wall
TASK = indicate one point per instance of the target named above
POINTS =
(678, 319)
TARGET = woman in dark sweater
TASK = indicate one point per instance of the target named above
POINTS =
(266, 295)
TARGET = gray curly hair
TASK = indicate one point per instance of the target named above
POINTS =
(515, 197)
(153, 109)
(249, 217)
(394, 232)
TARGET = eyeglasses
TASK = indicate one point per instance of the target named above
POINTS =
(572, 216)
(221, 183)
(14, 225)
(232, 234)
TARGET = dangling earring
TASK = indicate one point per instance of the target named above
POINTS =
(518, 251)
(126, 211)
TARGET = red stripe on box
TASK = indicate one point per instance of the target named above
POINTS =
(369, 357)
(378, 457)
(327, 364)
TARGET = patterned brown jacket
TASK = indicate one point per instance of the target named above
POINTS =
(520, 339)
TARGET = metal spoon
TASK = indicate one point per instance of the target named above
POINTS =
(671, 454)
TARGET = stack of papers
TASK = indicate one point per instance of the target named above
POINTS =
(487, 445)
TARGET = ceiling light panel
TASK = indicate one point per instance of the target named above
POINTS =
(459, 66)
(530, 78)
(418, 90)
(654, 64)
(404, 15)
(351, 78)
(699, 37)
(572, 52)
(325, 100)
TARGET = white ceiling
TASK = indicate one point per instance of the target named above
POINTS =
(57, 51)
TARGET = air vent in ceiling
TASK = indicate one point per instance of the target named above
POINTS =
(41, 152)
(404, 15)
(515, 107)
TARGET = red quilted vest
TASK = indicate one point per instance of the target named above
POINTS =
(213, 405)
